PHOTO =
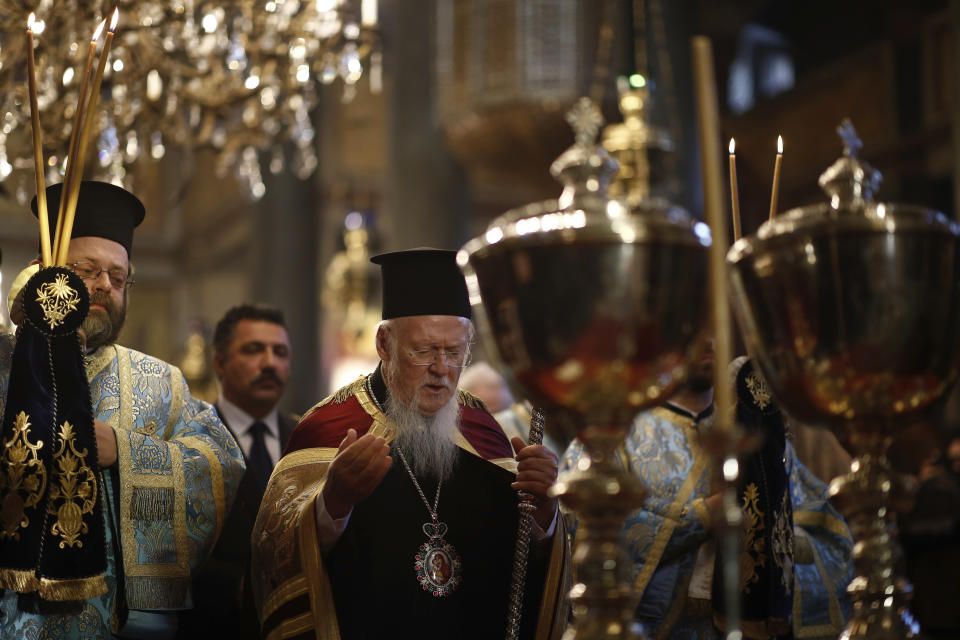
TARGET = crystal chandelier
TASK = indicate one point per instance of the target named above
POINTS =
(238, 76)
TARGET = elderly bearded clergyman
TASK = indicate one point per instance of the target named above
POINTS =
(400, 473)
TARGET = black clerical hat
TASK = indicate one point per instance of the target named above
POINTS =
(422, 282)
(104, 210)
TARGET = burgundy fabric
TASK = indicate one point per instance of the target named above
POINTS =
(327, 426)
(482, 431)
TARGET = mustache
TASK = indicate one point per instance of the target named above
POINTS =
(435, 380)
(267, 374)
(102, 298)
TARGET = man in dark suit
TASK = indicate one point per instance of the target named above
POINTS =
(252, 361)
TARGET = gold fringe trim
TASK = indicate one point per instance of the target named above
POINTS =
(339, 396)
(467, 399)
(152, 503)
(345, 393)
(158, 591)
(19, 580)
(73, 589)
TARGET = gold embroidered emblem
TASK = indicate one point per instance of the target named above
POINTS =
(149, 429)
(23, 478)
(467, 399)
(758, 389)
(754, 554)
(287, 508)
(783, 542)
(75, 494)
(57, 299)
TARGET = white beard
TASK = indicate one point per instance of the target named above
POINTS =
(428, 444)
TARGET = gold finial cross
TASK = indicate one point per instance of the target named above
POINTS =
(851, 142)
(586, 120)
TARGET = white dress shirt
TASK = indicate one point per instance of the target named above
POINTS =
(240, 422)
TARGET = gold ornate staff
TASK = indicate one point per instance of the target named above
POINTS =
(522, 548)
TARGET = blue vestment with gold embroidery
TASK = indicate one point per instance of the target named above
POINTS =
(174, 481)
(665, 537)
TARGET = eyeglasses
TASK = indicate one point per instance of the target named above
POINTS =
(455, 357)
(91, 271)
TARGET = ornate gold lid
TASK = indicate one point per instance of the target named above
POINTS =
(849, 184)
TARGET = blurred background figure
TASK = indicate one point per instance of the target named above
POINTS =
(953, 457)
(930, 528)
(252, 360)
(515, 421)
(486, 383)
(796, 555)
(818, 449)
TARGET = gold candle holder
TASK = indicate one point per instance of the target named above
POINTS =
(847, 308)
(635, 276)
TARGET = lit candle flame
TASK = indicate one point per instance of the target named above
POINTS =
(30, 20)
(780, 144)
(96, 34)
(114, 19)
(733, 146)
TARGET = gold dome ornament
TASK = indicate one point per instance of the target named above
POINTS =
(640, 147)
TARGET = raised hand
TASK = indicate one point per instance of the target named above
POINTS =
(536, 473)
(355, 472)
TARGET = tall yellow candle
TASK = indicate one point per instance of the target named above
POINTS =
(81, 159)
(775, 193)
(734, 197)
(74, 142)
(708, 119)
(42, 217)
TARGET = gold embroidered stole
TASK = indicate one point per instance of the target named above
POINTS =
(152, 489)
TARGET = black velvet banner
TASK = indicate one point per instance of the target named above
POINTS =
(766, 557)
(52, 537)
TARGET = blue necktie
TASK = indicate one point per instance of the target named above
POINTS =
(259, 464)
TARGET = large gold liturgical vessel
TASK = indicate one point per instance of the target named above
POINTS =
(592, 307)
(851, 309)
